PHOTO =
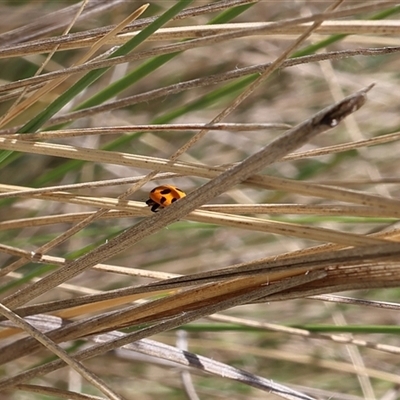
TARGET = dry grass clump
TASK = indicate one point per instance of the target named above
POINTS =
(279, 121)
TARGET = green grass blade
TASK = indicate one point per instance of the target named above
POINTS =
(92, 76)
(147, 67)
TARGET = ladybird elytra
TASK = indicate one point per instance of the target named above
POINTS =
(163, 196)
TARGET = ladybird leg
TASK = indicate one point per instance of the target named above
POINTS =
(155, 207)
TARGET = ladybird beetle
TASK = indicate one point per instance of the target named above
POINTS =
(163, 196)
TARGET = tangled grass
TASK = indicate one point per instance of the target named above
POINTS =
(279, 120)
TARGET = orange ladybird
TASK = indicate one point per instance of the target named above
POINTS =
(163, 196)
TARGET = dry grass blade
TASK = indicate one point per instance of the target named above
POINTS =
(61, 394)
(214, 79)
(53, 21)
(171, 354)
(65, 133)
(43, 339)
(238, 31)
